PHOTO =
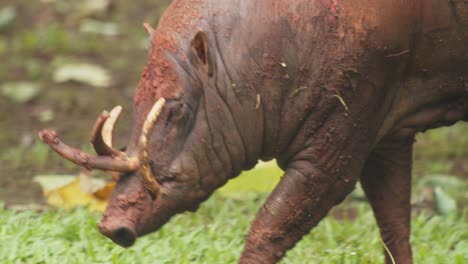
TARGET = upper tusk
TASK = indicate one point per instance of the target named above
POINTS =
(150, 120)
(149, 180)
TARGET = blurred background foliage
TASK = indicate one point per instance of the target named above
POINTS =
(63, 62)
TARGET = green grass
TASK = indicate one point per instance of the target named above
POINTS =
(215, 235)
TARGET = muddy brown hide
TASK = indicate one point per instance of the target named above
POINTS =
(334, 90)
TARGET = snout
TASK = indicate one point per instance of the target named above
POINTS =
(131, 212)
(121, 234)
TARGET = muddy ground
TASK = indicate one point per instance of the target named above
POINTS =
(43, 35)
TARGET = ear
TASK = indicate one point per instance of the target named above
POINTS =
(201, 50)
(149, 29)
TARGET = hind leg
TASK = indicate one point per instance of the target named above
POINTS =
(386, 180)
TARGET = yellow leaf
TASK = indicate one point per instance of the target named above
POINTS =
(72, 194)
(105, 192)
(262, 179)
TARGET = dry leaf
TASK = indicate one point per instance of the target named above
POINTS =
(105, 192)
(68, 192)
(84, 73)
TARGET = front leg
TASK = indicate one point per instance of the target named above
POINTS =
(303, 197)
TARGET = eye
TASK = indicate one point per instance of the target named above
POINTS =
(160, 175)
(177, 112)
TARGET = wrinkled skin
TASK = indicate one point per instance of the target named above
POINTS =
(334, 90)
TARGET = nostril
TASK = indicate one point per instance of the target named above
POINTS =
(123, 235)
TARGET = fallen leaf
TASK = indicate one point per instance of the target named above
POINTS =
(93, 7)
(445, 204)
(84, 73)
(97, 27)
(46, 115)
(20, 92)
(67, 191)
(262, 179)
(105, 192)
(7, 16)
(71, 196)
(52, 182)
(447, 182)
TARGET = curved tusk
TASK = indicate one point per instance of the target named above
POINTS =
(108, 128)
(108, 134)
(84, 159)
(101, 137)
(150, 182)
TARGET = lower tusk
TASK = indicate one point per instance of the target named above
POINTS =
(99, 137)
(150, 182)
(108, 134)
